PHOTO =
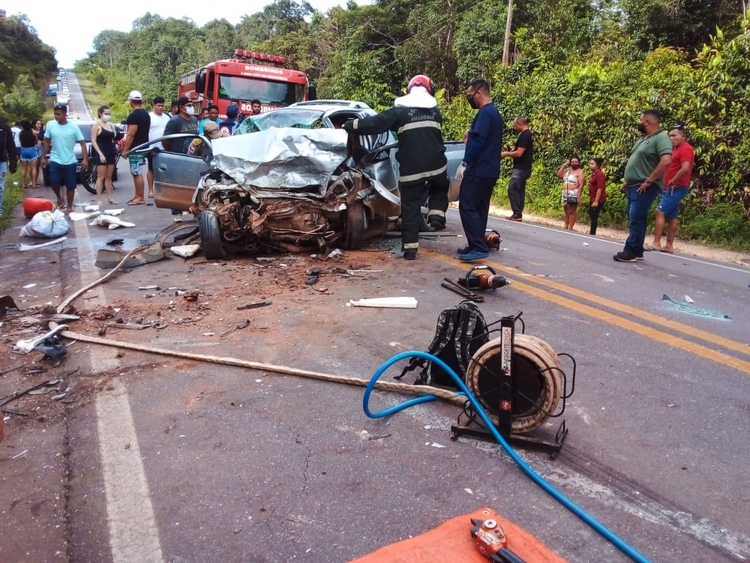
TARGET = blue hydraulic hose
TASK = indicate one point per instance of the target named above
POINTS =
(533, 475)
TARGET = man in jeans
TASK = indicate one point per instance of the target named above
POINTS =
(644, 172)
(8, 157)
(523, 156)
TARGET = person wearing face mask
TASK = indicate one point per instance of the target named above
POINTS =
(644, 173)
(572, 177)
(184, 122)
(523, 156)
(479, 171)
(105, 152)
(139, 123)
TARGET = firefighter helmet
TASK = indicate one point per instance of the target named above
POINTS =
(420, 80)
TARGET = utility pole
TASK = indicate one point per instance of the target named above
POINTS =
(508, 26)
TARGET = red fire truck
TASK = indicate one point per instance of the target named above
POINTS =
(249, 76)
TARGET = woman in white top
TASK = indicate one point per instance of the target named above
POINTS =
(573, 180)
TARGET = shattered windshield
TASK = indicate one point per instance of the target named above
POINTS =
(296, 118)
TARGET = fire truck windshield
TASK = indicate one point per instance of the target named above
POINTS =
(268, 92)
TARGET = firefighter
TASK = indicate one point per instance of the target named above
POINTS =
(421, 156)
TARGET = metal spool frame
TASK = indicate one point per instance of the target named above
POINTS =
(520, 390)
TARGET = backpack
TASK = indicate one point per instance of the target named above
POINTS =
(460, 332)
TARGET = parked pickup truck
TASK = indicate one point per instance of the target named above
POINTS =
(289, 179)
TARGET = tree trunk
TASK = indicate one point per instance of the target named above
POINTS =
(508, 26)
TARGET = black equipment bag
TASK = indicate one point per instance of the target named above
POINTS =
(460, 332)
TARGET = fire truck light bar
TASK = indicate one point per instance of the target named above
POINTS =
(259, 56)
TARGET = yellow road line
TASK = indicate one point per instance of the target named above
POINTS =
(640, 329)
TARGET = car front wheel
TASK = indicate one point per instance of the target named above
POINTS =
(210, 230)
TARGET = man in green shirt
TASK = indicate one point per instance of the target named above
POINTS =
(644, 174)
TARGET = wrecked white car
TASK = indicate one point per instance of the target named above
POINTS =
(286, 189)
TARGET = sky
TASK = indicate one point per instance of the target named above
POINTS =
(72, 32)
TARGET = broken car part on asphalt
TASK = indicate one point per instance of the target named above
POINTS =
(27, 345)
(254, 305)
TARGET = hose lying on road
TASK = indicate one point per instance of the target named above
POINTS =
(533, 475)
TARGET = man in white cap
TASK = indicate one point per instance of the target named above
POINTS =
(139, 123)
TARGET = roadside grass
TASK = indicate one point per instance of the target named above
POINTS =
(12, 197)
(90, 93)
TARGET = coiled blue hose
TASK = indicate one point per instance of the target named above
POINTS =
(557, 495)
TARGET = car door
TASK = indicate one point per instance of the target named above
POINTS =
(176, 175)
(381, 165)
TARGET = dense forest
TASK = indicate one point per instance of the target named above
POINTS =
(581, 71)
(25, 67)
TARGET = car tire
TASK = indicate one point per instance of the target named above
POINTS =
(88, 179)
(356, 223)
(210, 230)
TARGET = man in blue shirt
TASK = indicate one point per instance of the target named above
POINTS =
(479, 171)
(213, 115)
(60, 139)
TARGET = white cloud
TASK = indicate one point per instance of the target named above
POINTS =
(71, 32)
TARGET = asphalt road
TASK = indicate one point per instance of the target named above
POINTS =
(179, 460)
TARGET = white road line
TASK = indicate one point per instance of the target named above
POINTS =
(132, 525)
(133, 532)
(620, 243)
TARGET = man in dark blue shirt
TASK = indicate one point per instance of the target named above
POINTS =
(479, 171)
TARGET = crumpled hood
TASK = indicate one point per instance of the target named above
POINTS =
(417, 98)
(282, 158)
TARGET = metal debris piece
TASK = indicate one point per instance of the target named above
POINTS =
(243, 324)
(312, 280)
(27, 345)
(148, 287)
(312, 272)
(15, 396)
(52, 348)
(253, 305)
(115, 242)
